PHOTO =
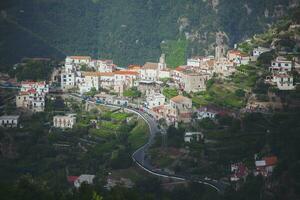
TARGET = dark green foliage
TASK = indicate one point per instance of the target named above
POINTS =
(240, 93)
(170, 92)
(265, 58)
(175, 136)
(35, 70)
(132, 92)
(126, 31)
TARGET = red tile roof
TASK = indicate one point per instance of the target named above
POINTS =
(81, 57)
(272, 160)
(72, 179)
(180, 69)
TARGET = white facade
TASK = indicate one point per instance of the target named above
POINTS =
(84, 178)
(78, 59)
(149, 74)
(193, 136)
(32, 96)
(194, 62)
(39, 87)
(164, 74)
(205, 112)
(68, 80)
(60, 121)
(9, 121)
(284, 82)
(259, 50)
(150, 71)
(155, 100)
(281, 64)
(105, 66)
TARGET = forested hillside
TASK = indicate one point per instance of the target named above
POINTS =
(129, 31)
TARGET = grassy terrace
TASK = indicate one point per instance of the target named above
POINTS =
(229, 93)
(89, 148)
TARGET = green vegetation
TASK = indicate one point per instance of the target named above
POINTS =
(132, 92)
(170, 92)
(175, 52)
(139, 134)
(128, 31)
(232, 92)
(31, 69)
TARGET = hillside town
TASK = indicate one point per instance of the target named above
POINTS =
(208, 99)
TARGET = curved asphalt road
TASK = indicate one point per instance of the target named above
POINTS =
(139, 155)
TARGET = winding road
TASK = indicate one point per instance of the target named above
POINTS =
(139, 155)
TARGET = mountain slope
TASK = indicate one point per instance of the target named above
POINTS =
(132, 31)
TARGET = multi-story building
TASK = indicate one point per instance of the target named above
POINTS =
(150, 71)
(9, 121)
(238, 57)
(193, 82)
(154, 100)
(32, 96)
(40, 87)
(281, 64)
(282, 80)
(91, 80)
(105, 66)
(68, 80)
(179, 110)
(63, 122)
(78, 59)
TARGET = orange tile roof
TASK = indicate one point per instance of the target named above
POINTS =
(272, 160)
(179, 99)
(134, 67)
(210, 63)
(237, 52)
(150, 65)
(180, 69)
(126, 72)
(98, 73)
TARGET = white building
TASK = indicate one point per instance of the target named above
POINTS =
(40, 87)
(284, 81)
(91, 80)
(67, 121)
(120, 101)
(68, 80)
(180, 109)
(259, 50)
(238, 57)
(84, 178)
(9, 121)
(105, 98)
(281, 64)
(194, 61)
(154, 100)
(126, 77)
(193, 82)
(78, 59)
(150, 71)
(193, 136)
(105, 66)
(207, 112)
(32, 96)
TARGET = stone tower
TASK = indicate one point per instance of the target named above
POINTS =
(162, 62)
(220, 48)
